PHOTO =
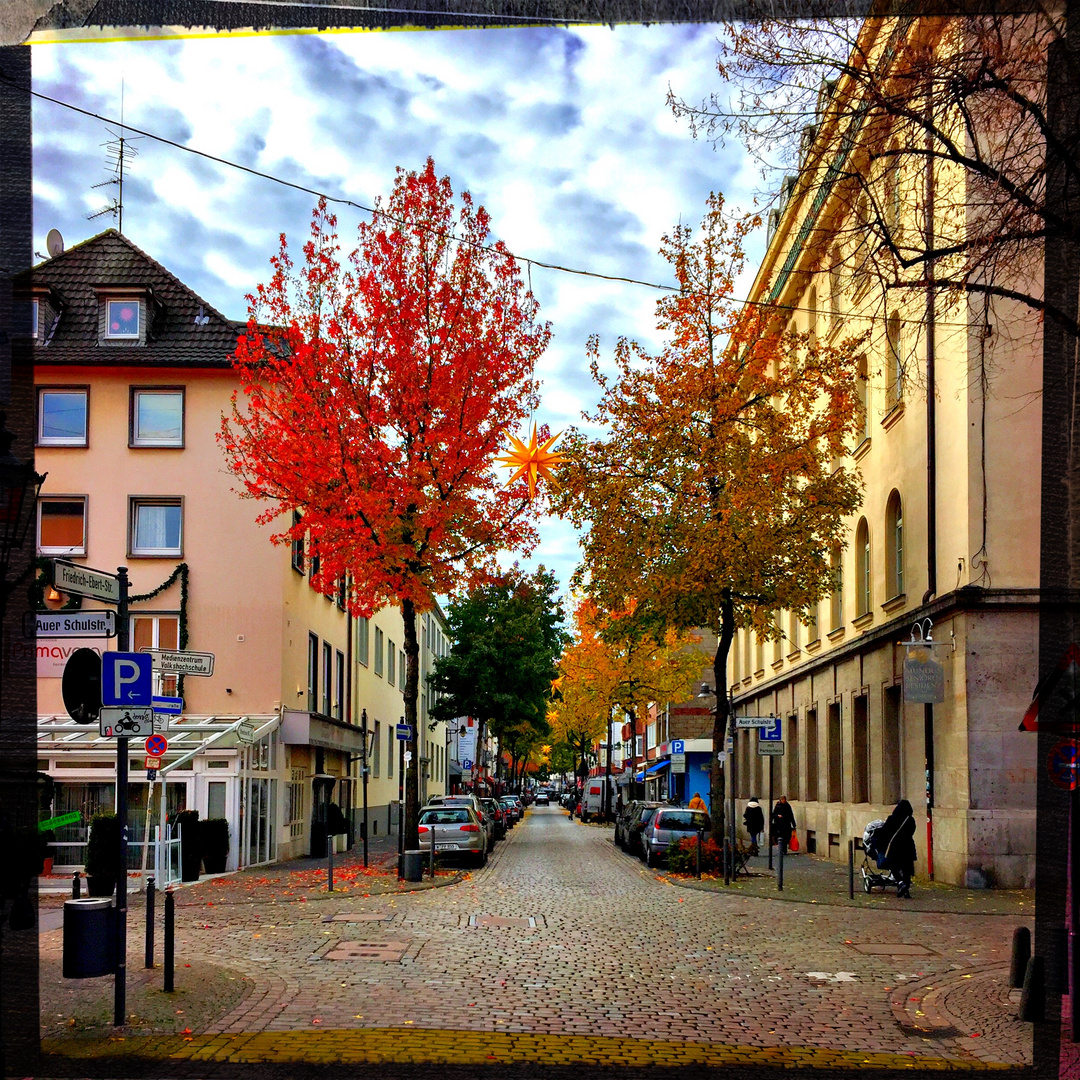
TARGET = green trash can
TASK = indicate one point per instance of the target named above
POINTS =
(89, 938)
(412, 867)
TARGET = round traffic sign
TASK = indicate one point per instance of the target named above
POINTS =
(81, 686)
(156, 745)
(1062, 763)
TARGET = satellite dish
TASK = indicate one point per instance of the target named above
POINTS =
(54, 243)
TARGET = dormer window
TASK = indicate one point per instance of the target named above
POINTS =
(122, 319)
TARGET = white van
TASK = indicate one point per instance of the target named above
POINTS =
(592, 798)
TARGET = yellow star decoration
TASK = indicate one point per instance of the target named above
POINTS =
(535, 461)
(556, 685)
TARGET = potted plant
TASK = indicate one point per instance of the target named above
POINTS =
(103, 854)
(190, 849)
(214, 840)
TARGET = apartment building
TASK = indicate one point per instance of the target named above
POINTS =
(132, 375)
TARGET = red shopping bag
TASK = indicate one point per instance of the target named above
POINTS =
(794, 845)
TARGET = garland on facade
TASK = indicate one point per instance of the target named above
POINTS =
(180, 572)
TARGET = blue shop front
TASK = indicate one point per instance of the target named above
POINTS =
(693, 778)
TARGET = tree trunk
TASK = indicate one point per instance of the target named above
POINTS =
(412, 693)
(721, 720)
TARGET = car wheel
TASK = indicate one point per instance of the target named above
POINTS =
(481, 858)
(650, 859)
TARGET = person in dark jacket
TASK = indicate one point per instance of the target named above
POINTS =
(782, 822)
(754, 819)
(899, 844)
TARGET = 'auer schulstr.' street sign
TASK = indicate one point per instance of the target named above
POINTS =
(181, 661)
(81, 580)
(75, 624)
(755, 721)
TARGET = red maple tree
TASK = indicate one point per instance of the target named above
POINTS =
(376, 391)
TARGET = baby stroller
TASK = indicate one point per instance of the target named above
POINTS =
(874, 873)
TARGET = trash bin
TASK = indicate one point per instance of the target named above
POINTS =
(89, 938)
(412, 867)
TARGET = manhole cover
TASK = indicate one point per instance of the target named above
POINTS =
(388, 952)
(891, 948)
(501, 921)
(375, 916)
(948, 1032)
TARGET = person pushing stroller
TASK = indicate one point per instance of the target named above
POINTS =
(891, 844)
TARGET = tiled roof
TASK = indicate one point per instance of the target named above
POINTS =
(110, 259)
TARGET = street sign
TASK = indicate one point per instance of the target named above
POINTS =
(81, 686)
(59, 822)
(924, 677)
(467, 765)
(678, 762)
(173, 706)
(126, 679)
(181, 661)
(116, 720)
(408, 756)
(152, 764)
(403, 731)
(755, 721)
(76, 624)
(245, 733)
(770, 749)
(1061, 764)
(771, 734)
(81, 580)
(156, 746)
(678, 746)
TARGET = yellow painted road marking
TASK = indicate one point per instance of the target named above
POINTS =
(395, 1045)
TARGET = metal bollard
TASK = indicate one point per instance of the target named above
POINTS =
(782, 846)
(329, 864)
(851, 869)
(698, 869)
(148, 958)
(1021, 954)
(727, 862)
(1033, 995)
(76, 886)
(170, 915)
(433, 851)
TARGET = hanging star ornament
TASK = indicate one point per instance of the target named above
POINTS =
(532, 460)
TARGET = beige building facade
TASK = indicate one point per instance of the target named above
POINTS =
(132, 378)
(947, 539)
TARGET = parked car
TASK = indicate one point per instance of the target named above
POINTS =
(542, 799)
(643, 812)
(497, 812)
(668, 826)
(515, 807)
(622, 822)
(458, 831)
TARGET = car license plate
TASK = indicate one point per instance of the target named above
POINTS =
(446, 847)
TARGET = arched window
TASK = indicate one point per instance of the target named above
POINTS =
(894, 359)
(894, 545)
(862, 568)
(836, 564)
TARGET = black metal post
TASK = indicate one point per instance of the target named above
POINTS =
(780, 865)
(768, 839)
(364, 776)
(401, 810)
(169, 958)
(120, 981)
(698, 869)
(432, 851)
(851, 869)
(1021, 954)
(76, 885)
(148, 959)
(727, 863)
(329, 864)
(1074, 912)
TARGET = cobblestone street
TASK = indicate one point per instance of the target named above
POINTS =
(565, 950)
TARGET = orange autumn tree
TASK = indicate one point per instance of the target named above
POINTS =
(619, 660)
(376, 391)
(712, 495)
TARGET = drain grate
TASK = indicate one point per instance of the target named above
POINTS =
(502, 921)
(350, 917)
(387, 952)
(894, 948)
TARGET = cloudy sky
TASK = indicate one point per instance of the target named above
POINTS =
(563, 134)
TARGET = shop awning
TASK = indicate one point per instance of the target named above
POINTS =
(453, 768)
(657, 767)
(307, 729)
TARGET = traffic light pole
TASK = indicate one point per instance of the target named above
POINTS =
(120, 984)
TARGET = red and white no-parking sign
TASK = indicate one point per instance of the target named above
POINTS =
(156, 745)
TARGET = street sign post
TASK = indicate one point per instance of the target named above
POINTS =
(678, 746)
(75, 624)
(82, 581)
(120, 721)
(245, 733)
(156, 746)
(756, 721)
(126, 679)
(181, 661)
(678, 763)
(771, 734)
(403, 731)
(172, 706)
(770, 749)
(81, 686)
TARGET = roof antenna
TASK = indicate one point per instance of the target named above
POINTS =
(118, 149)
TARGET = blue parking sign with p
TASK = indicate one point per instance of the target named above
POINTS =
(771, 734)
(126, 678)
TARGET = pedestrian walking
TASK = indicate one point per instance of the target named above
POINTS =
(898, 840)
(697, 802)
(782, 823)
(754, 820)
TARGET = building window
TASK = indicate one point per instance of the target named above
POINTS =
(312, 673)
(811, 756)
(894, 543)
(836, 563)
(860, 749)
(894, 359)
(890, 745)
(793, 631)
(862, 401)
(377, 749)
(812, 632)
(157, 632)
(811, 315)
(342, 591)
(62, 417)
(297, 547)
(862, 567)
(791, 757)
(363, 640)
(759, 652)
(62, 525)
(736, 645)
(401, 671)
(390, 750)
(157, 417)
(339, 685)
(156, 527)
(778, 638)
(327, 677)
(314, 562)
(379, 652)
(294, 804)
(834, 286)
(122, 318)
(836, 762)
(391, 657)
